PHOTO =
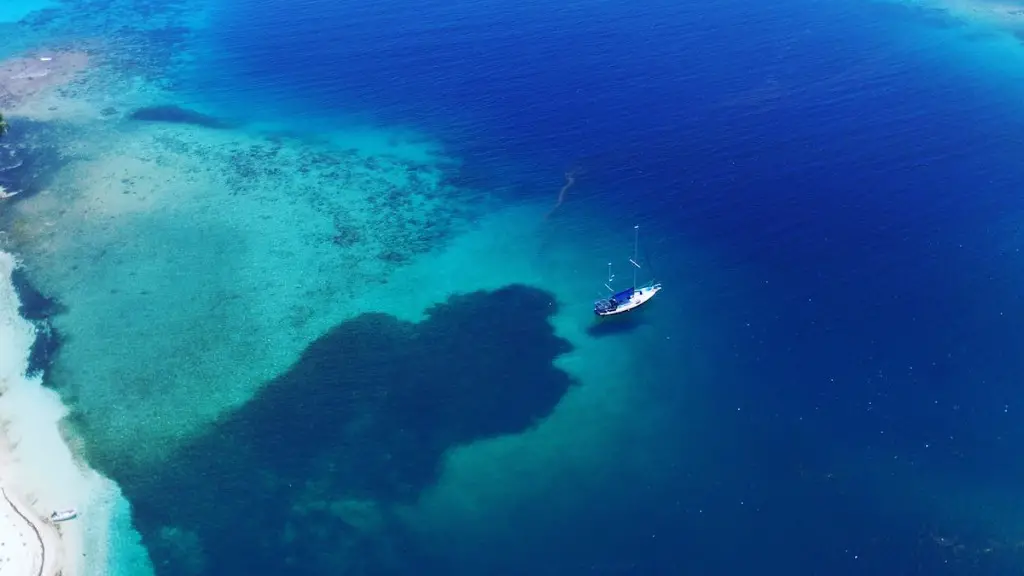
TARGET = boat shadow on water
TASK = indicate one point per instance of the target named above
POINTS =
(612, 325)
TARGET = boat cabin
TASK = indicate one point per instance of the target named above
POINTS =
(608, 305)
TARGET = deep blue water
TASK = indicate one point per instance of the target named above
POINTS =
(849, 180)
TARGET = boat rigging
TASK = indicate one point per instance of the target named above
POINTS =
(632, 297)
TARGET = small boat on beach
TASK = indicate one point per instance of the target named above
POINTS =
(631, 298)
(63, 515)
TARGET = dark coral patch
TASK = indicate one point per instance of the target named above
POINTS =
(177, 115)
(38, 309)
(300, 480)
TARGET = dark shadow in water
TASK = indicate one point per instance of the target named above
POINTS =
(621, 324)
(38, 309)
(177, 115)
(302, 478)
(34, 304)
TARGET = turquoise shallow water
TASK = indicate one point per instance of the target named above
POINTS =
(14, 11)
(284, 239)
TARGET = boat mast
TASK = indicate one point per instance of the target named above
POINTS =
(636, 246)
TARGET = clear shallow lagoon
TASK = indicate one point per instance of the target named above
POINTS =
(254, 214)
(15, 11)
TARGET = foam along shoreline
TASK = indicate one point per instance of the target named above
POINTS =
(39, 474)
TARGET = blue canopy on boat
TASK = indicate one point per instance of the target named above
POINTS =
(611, 304)
(624, 296)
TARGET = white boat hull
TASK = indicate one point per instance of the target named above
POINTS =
(63, 515)
(640, 297)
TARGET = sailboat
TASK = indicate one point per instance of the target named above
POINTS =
(630, 298)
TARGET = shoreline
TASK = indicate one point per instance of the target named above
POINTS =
(39, 473)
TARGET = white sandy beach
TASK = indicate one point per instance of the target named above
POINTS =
(28, 545)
